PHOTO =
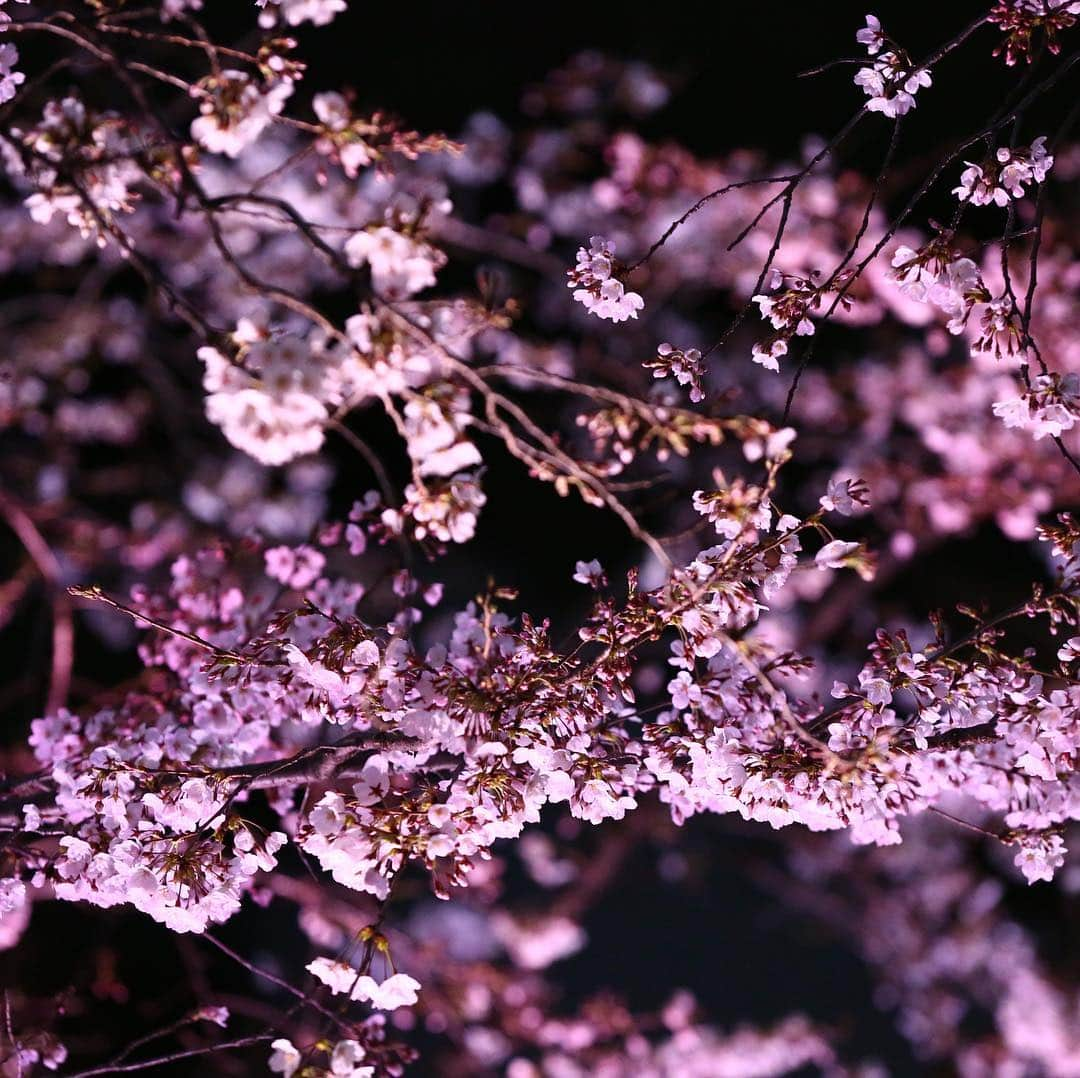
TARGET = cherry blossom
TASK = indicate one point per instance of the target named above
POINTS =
(845, 496)
(684, 366)
(1006, 178)
(891, 81)
(10, 79)
(284, 1058)
(1050, 407)
(596, 285)
(295, 12)
(871, 35)
(400, 266)
(235, 111)
(398, 990)
(295, 413)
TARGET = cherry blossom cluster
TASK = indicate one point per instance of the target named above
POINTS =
(937, 275)
(891, 81)
(1024, 22)
(355, 142)
(1006, 177)
(274, 394)
(272, 402)
(789, 309)
(10, 78)
(367, 1053)
(184, 857)
(1049, 407)
(235, 110)
(597, 286)
(79, 165)
(684, 366)
(685, 1048)
(872, 780)
(400, 265)
(332, 712)
(295, 12)
(398, 990)
(628, 430)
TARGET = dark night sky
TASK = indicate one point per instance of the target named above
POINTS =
(738, 62)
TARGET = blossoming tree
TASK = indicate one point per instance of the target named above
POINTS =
(273, 359)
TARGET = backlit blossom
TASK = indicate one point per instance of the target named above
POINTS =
(890, 81)
(295, 12)
(684, 366)
(284, 1058)
(845, 496)
(399, 990)
(400, 265)
(10, 79)
(235, 111)
(1006, 177)
(1050, 407)
(833, 555)
(596, 287)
